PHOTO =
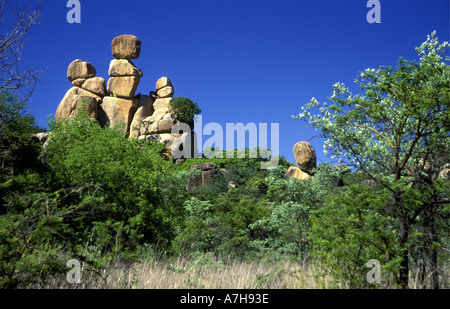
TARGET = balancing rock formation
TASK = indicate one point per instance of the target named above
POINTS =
(305, 156)
(145, 116)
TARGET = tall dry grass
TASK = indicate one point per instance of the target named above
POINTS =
(203, 273)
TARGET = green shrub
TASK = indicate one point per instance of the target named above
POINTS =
(352, 228)
(184, 110)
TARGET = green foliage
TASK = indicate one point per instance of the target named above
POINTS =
(129, 173)
(397, 133)
(18, 152)
(352, 228)
(34, 230)
(184, 110)
(221, 227)
(286, 231)
(101, 198)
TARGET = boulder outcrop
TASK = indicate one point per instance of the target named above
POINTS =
(305, 156)
(69, 104)
(114, 102)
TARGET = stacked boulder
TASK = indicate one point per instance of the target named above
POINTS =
(159, 124)
(124, 77)
(305, 156)
(87, 91)
(145, 116)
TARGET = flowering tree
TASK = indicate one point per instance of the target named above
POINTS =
(396, 132)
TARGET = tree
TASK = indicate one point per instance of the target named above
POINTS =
(184, 110)
(401, 122)
(130, 173)
(286, 230)
(14, 81)
(18, 151)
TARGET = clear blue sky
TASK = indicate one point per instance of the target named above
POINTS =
(241, 61)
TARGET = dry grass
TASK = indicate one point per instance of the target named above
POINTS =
(202, 273)
(205, 272)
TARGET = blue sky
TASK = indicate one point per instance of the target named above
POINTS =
(243, 61)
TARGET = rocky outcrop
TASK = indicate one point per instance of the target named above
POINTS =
(294, 171)
(114, 111)
(123, 86)
(123, 67)
(305, 156)
(208, 170)
(144, 116)
(40, 137)
(70, 103)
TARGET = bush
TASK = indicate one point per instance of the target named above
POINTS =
(130, 175)
(184, 110)
(352, 228)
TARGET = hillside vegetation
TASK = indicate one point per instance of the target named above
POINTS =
(122, 209)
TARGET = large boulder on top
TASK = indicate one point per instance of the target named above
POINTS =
(79, 69)
(305, 156)
(126, 46)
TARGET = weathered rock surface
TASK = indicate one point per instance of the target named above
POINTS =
(80, 69)
(113, 111)
(68, 104)
(78, 82)
(123, 86)
(123, 67)
(165, 92)
(95, 85)
(294, 171)
(144, 110)
(161, 103)
(164, 88)
(305, 156)
(40, 137)
(161, 126)
(163, 82)
(88, 103)
(126, 46)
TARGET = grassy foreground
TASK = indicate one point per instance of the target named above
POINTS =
(201, 273)
(205, 272)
